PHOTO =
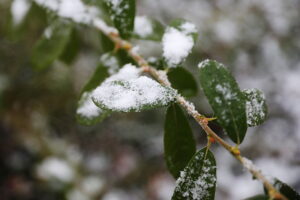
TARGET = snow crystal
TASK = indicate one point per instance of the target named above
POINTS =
(131, 95)
(176, 46)
(50, 4)
(225, 91)
(203, 63)
(88, 108)
(142, 26)
(19, 9)
(55, 168)
(127, 72)
(255, 106)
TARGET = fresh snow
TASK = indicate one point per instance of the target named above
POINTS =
(142, 26)
(19, 9)
(255, 106)
(188, 28)
(132, 95)
(176, 46)
(88, 108)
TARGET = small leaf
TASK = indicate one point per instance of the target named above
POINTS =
(183, 81)
(133, 95)
(72, 48)
(179, 142)
(147, 29)
(51, 45)
(122, 13)
(285, 189)
(198, 179)
(178, 41)
(258, 197)
(225, 98)
(256, 107)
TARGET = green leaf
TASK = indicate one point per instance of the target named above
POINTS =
(225, 98)
(51, 45)
(122, 13)
(72, 48)
(147, 29)
(198, 179)
(178, 41)
(183, 81)
(258, 197)
(179, 142)
(132, 95)
(285, 189)
(256, 107)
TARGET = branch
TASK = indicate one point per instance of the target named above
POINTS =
(162, 78)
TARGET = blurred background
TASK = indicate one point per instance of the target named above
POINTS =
(45, 154)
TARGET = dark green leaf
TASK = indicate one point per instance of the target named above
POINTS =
(258, 197)
(122, 13)
(72, 48)
(225, 98)
(51, 45)
(285, 189)
(198, 179)
(256, 107)
(179, 142)
(133, 95)
(183, 81)
(147, 29)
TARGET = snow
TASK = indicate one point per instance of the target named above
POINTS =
(111, 62)
(142, 26)
(188, 28)
(55, 168)
(88, 108)
(176, 46)
(255, 106)
(77, 11)
(195, 189)
(132, 95)
(19, 9)
(127, 72)
(92, 185)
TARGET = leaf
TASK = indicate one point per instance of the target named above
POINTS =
(198, 179)
(51, 45)
(256, 107)
(147, 29)
(258, 197)
(285, 189)
(132, 95)
(225, 98)
(183, 81)
(72, 48)
(179, 142)
(178, 41)
(122, 13)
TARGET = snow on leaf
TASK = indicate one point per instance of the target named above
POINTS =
(132, 95)
(87, 112)
(142, 26)
(176, 46)
(198, 179)
(256, 106)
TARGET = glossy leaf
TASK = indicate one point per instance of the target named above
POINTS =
(179, 142)
(147, 29)
(122, 13)
(256, 107)
(51, 45)
(225, 98)
(178, 41)
(198, 179)
(183, 81)
(286, 190)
